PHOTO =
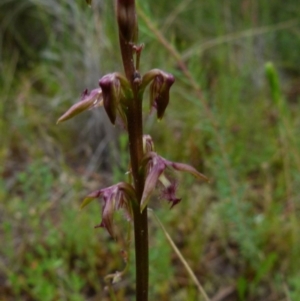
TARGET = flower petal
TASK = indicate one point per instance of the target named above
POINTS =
(169, 191)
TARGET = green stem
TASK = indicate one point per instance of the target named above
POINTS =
(135, 134)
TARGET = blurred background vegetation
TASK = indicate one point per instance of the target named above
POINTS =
(240, 233)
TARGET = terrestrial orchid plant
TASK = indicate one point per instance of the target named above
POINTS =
(122, 96)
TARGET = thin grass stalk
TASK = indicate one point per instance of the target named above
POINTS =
(180, 256)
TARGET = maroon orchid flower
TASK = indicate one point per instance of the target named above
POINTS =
(115, 197)
(156, 165)
(161, 83)
(113, 93)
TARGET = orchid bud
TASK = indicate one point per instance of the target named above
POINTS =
(148, 145)
(127, 20)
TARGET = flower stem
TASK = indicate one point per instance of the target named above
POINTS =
(135, 133)
(135, 130)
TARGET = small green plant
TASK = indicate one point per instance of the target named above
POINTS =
(122, 97)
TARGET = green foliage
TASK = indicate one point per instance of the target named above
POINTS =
(48, 256)
(161, 271)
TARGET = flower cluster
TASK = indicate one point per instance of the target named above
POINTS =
(115, 94)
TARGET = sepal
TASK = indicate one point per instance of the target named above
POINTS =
(88, 101)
